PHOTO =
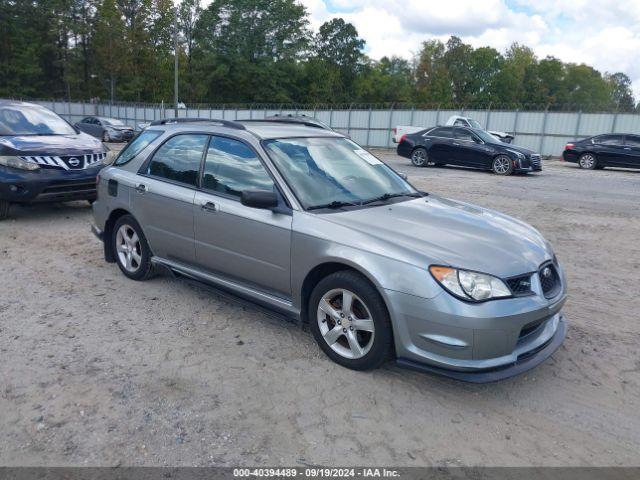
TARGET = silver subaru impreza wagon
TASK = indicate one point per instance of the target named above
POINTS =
(302, 220)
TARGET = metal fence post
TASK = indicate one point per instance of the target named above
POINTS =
(577, 132)
(515, 122)
(349, 120)
(331, 117)
(438, 115)
(413, 111)
(615, 119)
(488, 115)
(369, 128)
(390, 127)
(544, 129)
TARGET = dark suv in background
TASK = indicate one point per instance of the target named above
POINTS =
(612, 150)
(468, 147)
(43, 158)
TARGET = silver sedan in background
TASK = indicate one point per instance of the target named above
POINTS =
(306, 222)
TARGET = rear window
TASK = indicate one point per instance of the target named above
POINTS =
(32, 120)
(136, 146)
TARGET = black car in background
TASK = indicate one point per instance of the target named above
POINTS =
(43, 158)
(468, 147)
(611, 150)
(106, 129)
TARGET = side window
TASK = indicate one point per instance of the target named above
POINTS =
(633, 141)
(441, 132)
(232, 167)
(459, 122)
(178, 159)
(608, 140)
(86, 120)
(464, 135)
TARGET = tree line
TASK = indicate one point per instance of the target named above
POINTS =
(264, 51)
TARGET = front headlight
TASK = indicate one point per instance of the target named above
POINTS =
(17, 162)
(470, 286)
(518, 155)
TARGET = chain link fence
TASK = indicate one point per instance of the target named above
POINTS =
(543, 130)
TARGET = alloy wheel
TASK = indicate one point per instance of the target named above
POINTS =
(419, 157)
(587, 161)
(128, 248)
(345, 323)
(501, 165)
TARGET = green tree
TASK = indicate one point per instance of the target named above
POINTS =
(621, 92)
(432, 79)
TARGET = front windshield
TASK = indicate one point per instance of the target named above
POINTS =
(113, 121)
(326, 171)
(32, 120)
(474, 123)
(486, 136)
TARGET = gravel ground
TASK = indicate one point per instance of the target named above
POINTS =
(99, 370)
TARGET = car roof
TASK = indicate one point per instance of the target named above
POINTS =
(263, 130)
(17, 103)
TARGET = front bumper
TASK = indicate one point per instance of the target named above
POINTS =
(486, 342)
(48, 184)
(121, 135)
(523, 363)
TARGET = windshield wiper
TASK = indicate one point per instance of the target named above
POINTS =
(388, 196)
(334, 204)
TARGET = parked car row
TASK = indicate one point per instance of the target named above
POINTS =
(453, 121)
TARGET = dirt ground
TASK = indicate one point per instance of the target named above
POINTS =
(100, 370)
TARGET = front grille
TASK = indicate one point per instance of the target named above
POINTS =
(70, 187)
(549, 280)
(536, 160)
(520, 286)
(67, 162)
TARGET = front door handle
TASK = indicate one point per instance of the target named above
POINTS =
(209, 207)
(141, 188)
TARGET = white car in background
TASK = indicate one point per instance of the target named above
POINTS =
(456, 120)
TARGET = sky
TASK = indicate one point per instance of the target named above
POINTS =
(602, 33)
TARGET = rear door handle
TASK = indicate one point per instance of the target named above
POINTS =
(141, 188)
(209, 207)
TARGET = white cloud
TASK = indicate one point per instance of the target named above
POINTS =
(601, 33)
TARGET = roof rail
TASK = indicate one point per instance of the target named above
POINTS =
(225, 123)
(289, 120)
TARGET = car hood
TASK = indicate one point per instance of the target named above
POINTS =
(524, 151)
(436, 230)
(500, 134)
(75, 144)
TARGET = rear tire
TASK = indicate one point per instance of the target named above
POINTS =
(588, 161)
(130, 249)
(4, 209)
(350, 322)
(419, 157)
(502, 165)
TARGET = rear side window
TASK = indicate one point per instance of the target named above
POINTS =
(231, 167)
(178, 159)
(633, 141)
(441, 132)
(136, 146)
(608, 140)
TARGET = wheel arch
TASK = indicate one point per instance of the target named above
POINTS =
(109, 254)
(323, 270)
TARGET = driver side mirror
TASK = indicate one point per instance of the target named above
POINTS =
(263, 199)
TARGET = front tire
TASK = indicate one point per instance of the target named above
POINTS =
(502, 165)
(130, 249)
(4, 209)
(588, 161)
(419, 157)
(105, 137)
(350, 322)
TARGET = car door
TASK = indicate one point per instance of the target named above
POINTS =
(610, 150)
(84, 125)
(163, 196)
(469, 149)
(439, 144)
(632, 151)
(238, 242)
